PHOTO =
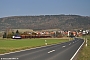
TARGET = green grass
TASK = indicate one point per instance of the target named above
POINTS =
(9, 45)
(84, 54)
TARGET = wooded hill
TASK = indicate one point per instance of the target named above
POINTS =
(65, 22)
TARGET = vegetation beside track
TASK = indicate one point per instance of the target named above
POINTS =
(9, 45)
(84, 53)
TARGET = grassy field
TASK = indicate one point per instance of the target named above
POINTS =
(9, 45)
(84, 54)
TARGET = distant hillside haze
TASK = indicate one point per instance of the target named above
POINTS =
(64, 22)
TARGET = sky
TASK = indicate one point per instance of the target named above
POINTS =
(44, 7)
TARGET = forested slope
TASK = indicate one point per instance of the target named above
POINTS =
(46, 22)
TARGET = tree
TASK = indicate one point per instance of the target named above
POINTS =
(4, 35)
(71, 35)
(17, 33)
